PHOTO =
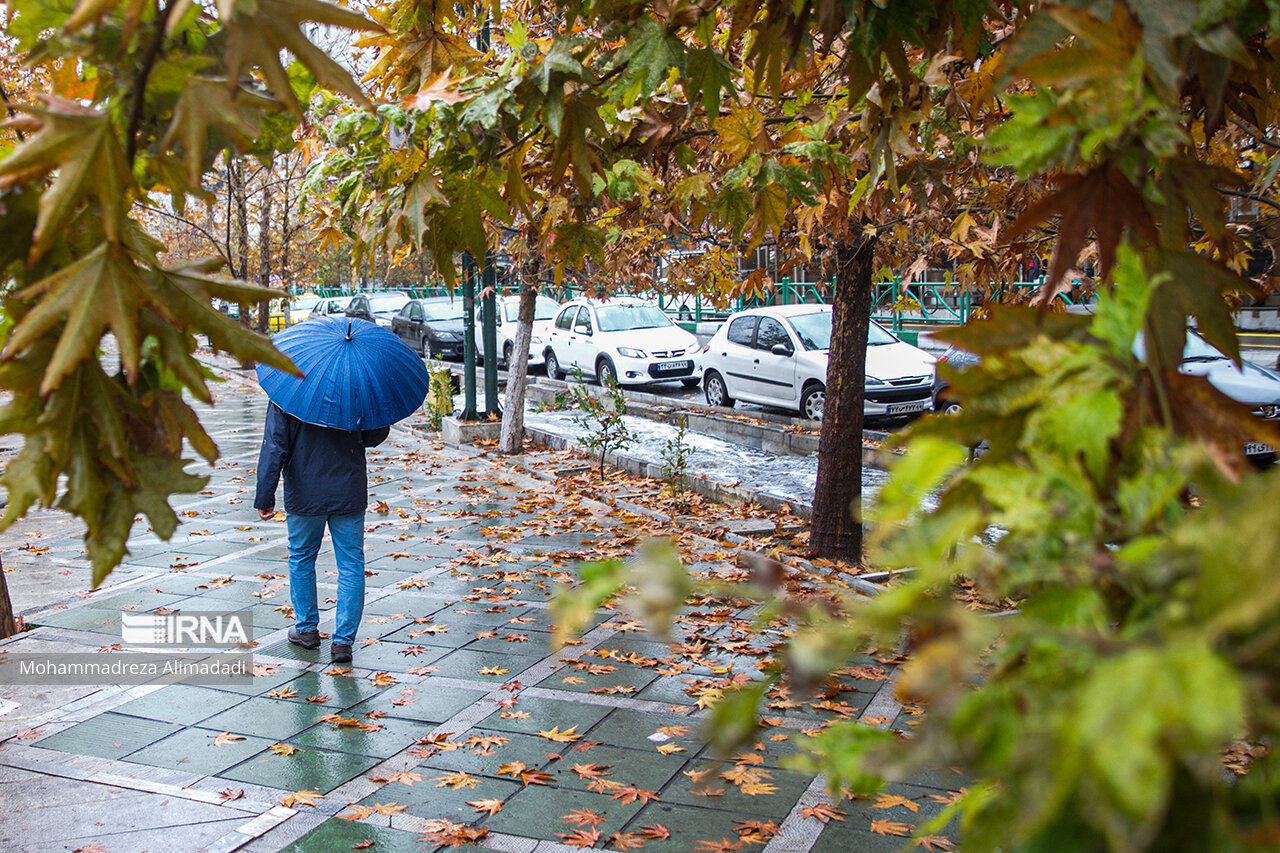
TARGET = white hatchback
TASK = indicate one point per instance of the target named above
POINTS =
(544, 311)
(628, 339)
(778, 357)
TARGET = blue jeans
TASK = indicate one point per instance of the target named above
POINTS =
(347, 532)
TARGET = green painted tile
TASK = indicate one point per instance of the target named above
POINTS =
(465, 663)
(427, 801)
(626, 675)
(337, 834)
(426, 702)
(82, 619)
(837, 838)
(788, 788)
(535, 752)
(282, 648)
(271, 718)
(392, 736)
(649, 770)
(309, 769)
(538, 811)
(264, 683)
(395, 657)
(632, 729)
(194, 751)
(546, 713)
(136, 600)
(669, 689)
(108, 736)
(181, 703)
(342, 691)
(689, 825)
(522, 642)
(384, 576)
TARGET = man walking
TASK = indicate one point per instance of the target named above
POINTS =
(325, 483)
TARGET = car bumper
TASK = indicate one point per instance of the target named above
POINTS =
(447, 349)
(640, 371)
(898, 402)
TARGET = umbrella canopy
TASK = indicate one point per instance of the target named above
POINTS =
(358, 375)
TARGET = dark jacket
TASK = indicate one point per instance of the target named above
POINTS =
(324, 469)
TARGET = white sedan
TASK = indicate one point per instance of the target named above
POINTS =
(778, 357)
(625, 339)
(544, 311)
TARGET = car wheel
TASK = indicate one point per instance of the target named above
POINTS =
(506, 355)
(424, 348)
(606, 372)
(691, 382)
(717, 394)
(553, 366)
(944, 405)
(812, 401)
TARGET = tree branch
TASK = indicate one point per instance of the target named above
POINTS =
(139, 92)
(4, 96)
(1248, 196)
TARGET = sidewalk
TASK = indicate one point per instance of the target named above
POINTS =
(455, 721)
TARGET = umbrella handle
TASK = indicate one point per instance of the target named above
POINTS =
(348, 330)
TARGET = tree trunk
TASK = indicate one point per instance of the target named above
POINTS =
(8, 624)
(836, 529)
(512, 438)
(236, 192)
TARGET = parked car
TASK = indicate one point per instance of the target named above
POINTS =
(328, 306)
(299, 309)
(544, 311)
(778, 357)
(1254, 386)
(433, 327)
(625, 339)
(377, 307)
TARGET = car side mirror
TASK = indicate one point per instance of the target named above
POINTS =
(781, 349)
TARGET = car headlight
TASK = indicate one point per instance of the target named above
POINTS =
(631, 353)
(449, 336)
(693, 348)
(871, 380)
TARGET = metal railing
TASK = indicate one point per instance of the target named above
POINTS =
(894, 302)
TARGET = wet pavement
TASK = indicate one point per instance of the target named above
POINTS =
(456, 719)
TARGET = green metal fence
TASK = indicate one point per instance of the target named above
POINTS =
(894, 303)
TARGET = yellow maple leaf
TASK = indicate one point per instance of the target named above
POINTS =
(567, 736)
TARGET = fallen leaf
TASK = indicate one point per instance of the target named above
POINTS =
(581, 838)
(456, 780)
(356, 813)
(300, 798)
(885, 826)
(569, 735)
(824, 812)
(228, 794)
(226, 738)
(583, 817)
(489, 806)
(283, 749)
(889, 801)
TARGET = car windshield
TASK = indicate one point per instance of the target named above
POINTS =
(814, 331)
(304, 303)
(434, 311)
(543, 309)
(625, 316)
(388, 304)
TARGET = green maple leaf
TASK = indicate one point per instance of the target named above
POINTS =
(81, 146)
(258, 30)
(207, 108)
(709, 74)
(647, 54)
(102, 291)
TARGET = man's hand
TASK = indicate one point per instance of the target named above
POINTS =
(267, 514)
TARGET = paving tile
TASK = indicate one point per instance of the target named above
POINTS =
(392, 736)
(544, 714)
(395, 657)
(427, 702)
(786, 789)
(340, 691)
(309, 769)
(837, 838)
(336, 834)
(263, 683)
(181, 703)
(521, 641)
(632, 729)
(649, 770)
(537, 812)
(194, 751)
(108, 736)
(689, 825)
(271, 718)
(535, 752)
(136, 600)
(427, 799)
(465, 663)
(82, 619)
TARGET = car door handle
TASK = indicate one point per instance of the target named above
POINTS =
(757, 361)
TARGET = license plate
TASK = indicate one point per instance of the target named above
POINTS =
(674, 366)
(905, 408)
(1255, 448)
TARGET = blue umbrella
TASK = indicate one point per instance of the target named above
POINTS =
(357, 375)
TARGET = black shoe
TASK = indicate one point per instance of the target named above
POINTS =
(306, 639)
(340, 653)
